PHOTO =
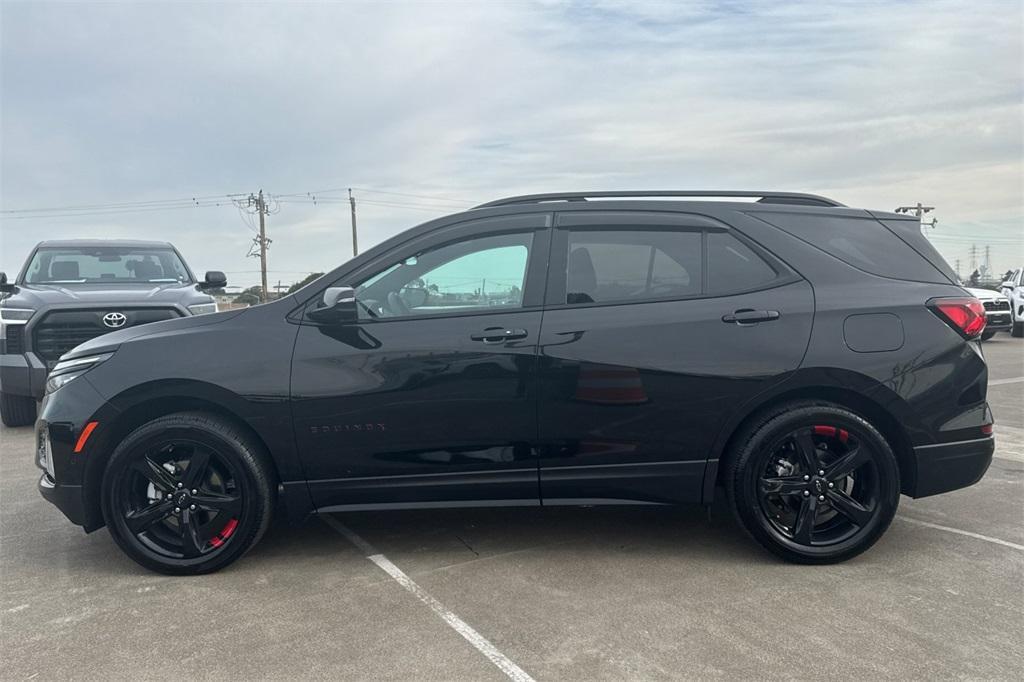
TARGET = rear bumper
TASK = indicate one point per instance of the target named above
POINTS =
(949, 466)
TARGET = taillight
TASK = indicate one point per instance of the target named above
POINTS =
(966, 315)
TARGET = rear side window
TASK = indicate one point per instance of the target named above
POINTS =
(732, 266)
(632, 265)
(910, 232)
(863, 243)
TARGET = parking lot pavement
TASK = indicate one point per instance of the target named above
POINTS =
(558, 593)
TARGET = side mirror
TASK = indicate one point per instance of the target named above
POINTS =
(6, 287)
(337, 306)
(1008, 284)
(214, 279)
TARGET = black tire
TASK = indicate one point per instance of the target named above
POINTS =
(1017, 330)
(147, 485)
(770, 503)
(985, 336)
(17, 410)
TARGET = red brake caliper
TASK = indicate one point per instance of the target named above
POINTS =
(218, 539)
(832, 432)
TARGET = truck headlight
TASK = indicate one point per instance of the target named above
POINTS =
(16, 315)
(66, 371)
(203, 308)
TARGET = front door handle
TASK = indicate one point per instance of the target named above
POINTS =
(748, 316)
(499, 335)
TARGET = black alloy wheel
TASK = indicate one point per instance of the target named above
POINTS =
(187, 493)
(815, 483)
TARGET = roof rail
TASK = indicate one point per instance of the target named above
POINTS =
(765, 197)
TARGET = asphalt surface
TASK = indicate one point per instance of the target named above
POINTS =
(558, 593)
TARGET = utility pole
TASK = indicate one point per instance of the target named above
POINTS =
(261, 241)
(352, 205)
(957, 268)
(974, 258)
(919, 210)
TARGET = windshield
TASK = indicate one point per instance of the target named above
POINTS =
(113, 264)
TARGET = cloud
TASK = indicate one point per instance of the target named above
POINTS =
(876, 104)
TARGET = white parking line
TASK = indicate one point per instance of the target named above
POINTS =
(976, 536)
(1000, 382)
(460, 626)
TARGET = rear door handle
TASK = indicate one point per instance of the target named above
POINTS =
(499, 335)
(748, 316)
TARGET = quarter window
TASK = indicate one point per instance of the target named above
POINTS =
(474, 274)
(732, 266)
(632, 265)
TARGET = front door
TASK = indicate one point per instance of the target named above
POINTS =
(430, 397)
(651, 340)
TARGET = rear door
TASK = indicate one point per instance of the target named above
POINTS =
(657, 327)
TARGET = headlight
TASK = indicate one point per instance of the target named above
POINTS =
(66, 371)
(203, 308)
(16, 315)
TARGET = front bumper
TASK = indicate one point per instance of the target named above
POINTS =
(949, 466)
(23, 374)
(998, 321)
(74, 486)
(67, 498)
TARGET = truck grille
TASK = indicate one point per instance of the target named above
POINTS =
(15, 344)
(997, 305)
(61, 330)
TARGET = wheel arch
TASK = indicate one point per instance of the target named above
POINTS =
(858, 393)
(144, 403)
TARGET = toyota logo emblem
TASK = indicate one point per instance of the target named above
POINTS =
(114, 320)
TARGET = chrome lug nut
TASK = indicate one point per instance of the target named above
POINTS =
(821, 472)
(194, 492)
(807, 493)
(192, 507)
(180, 485)
(831, 485)
(806, 477)
(177, 510)
(821, 498)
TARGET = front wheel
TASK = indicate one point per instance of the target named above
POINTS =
(813, 483)
(187, 493)
(988, 335)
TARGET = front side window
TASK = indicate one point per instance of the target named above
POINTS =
(482, 273)
(81, 265)
(632, 265)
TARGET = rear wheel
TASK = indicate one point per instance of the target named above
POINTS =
(186, 494)
(17, 410)
(813, 483)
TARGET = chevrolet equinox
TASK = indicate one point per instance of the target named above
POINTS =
(812, 361)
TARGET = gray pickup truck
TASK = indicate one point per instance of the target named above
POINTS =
(71, 291)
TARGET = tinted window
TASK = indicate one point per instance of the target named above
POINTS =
(632, 265)
(864, 243)
(732, 266)
(474, 274)
(80, 265)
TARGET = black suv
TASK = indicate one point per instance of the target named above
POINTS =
(72, 290)
(812, 360)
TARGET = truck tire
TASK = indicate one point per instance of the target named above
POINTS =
(17, 410)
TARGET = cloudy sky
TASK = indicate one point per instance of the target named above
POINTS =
(428, 108)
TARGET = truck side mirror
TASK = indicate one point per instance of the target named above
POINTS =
(214, 279)
(5, 286)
